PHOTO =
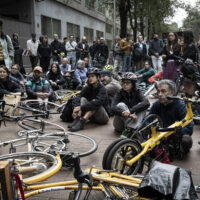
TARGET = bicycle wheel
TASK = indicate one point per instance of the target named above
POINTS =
(105, 155)
(41, 125)
(36, 166)
(46, 106)
(122, 152)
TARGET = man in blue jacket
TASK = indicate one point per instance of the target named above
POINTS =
(171, 111)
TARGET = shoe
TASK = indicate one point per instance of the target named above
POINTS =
(74, 122)
(78, 126)
(153, 96)
(126, 133)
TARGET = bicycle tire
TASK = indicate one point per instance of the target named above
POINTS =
(108, 149)
(121, 149)
(32, 124)
(55, 161)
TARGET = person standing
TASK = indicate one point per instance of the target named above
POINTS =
(155, 49)
(126, 46)
(82, 49)
(171, 50)
(18, 53)
(71, 50)
(6, 49)
(56, 48)
(32, 46)
(44, 52)
(139, 53)
(117, 54)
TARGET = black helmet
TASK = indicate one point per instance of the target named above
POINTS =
(129, 76)
(93, 70)
(188, 69)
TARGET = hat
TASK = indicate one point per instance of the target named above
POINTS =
(106, 73)
(38, 68)
(101, 38)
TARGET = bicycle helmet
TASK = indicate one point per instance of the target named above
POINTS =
(93, 70)
(109, 68)
(129, 76)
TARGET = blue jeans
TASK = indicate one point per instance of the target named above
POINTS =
(126, 63)
(72, 60)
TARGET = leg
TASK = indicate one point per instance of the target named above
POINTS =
(186, 143)
(128, 63)
(159, 64)
(124, 63)
(99, 116)
(154, 62)
(118, 123)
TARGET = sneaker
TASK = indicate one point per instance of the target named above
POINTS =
(153, 96)
(126, 133)
(74, 122)
(78, 126)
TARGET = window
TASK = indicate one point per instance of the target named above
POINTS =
(101, 6)
(99, 33)
(50, 26)
(73, 29)
(88, 32)
(108, 28)
(90, 4)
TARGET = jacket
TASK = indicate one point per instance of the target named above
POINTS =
(85, 51)
(146, 73)
(8, 50)
(9, 86)
(81, 75)
(135, 101)
(169, 55)
(57, 78)
(17, 48)
(124, 46)
(44, 50)
(96, 96)
(156, 46)
(56, 45)
(144, 49)
(101, 50)
(191, 52)
(32, 87)
(174, 111)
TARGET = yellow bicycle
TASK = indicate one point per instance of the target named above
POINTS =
(126, 156)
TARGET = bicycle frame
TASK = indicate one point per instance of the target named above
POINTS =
(98, 176)
(65, 98)
(158, 136)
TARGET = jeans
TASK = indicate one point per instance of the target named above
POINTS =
(72, 61)
(126, 63)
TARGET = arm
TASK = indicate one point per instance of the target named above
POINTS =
(60, 80)
(77, 77)
(29, 91)
(161, 47)
(148, 73)
(10, 47)
(116, 100)
(151, 50)
(142, 105)
(95, 103)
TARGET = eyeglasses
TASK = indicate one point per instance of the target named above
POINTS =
(15, 68)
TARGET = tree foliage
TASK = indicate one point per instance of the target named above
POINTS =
(192, 21)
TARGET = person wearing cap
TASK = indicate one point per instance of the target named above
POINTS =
(93, 104)
(37, 87)
(155, 50)
(129, 106)
(80, 73)
(100, 54)
(112, 86)
(32, 46)
(6, 48)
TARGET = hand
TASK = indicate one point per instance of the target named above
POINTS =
(156, 54)
(133, 116)
(77, 109)
(139, 76)
(17, 93)
(126, 113)
(53, 83)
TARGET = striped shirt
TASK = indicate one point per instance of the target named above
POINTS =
(1, 53)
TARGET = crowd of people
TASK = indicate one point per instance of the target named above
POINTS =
(83, 67)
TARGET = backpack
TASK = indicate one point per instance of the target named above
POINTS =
(66, 115)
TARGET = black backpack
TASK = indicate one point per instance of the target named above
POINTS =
(66, 115)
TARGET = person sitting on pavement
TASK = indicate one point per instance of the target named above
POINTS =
(112, 86)
(171, 111)
(87, 65)
(129, 106)
(37, 87)
(55, 77)
(80, 73)
(93, 104)
(145, 73)
(110, 68)
(70, 82)
(7, 85)
(16, 76)
(65, 66)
